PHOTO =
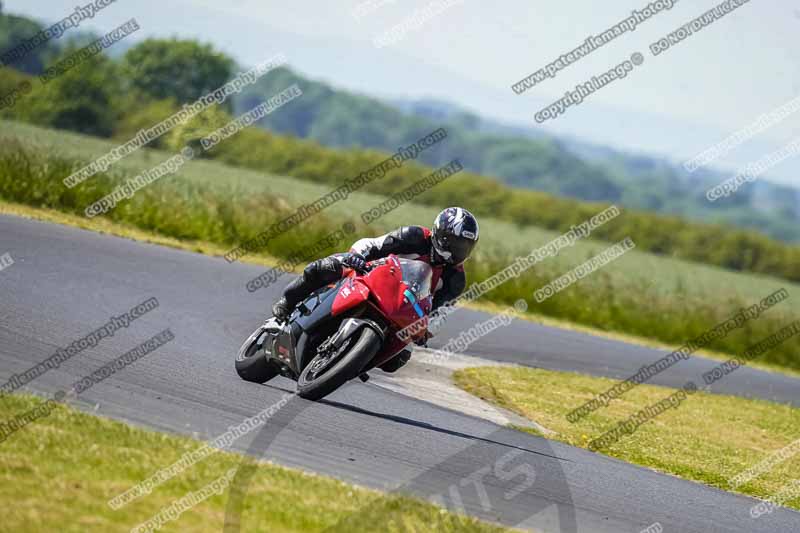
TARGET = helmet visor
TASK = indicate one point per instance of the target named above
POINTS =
(454, 250)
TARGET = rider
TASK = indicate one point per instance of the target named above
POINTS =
(444, 248)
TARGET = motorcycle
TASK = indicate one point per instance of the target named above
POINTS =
(344, 330)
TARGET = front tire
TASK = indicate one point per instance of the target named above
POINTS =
(251, 360)
(314, 384)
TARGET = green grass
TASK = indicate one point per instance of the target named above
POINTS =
(640, 294)
(59, 472)
(708, 438)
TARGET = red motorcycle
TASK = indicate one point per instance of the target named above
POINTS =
(342, 331)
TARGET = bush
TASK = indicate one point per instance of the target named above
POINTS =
(84, 99)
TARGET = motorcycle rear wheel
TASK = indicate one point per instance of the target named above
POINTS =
(324, 374)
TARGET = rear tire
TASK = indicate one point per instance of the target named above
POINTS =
(251, 360)
(361, 352)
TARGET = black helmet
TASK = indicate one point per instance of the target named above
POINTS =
(455, 232)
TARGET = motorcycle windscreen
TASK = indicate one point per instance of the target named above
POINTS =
(417, 277)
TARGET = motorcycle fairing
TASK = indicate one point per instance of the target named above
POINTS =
(350, 293)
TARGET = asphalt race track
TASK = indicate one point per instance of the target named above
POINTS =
(66, 282)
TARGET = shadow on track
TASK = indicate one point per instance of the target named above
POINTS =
(488, 479)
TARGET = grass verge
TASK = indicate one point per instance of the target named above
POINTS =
(489, 307)
(59, 472)
(708, 438)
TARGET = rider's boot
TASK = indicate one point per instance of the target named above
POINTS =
(315, 276)
(281, 309)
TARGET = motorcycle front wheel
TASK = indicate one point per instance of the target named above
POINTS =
(330, 370)
(251, 360)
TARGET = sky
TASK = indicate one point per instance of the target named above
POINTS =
(676, 104)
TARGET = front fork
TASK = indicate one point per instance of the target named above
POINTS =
(347, 329)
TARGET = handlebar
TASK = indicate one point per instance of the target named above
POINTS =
(361, 271)
(366, 269)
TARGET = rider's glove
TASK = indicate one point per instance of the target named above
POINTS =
(355, 261)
